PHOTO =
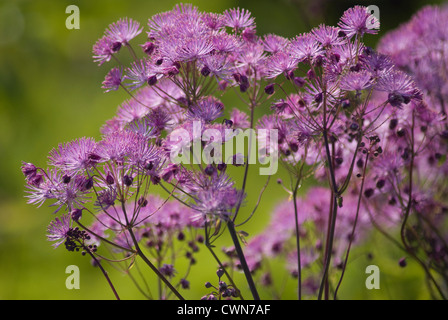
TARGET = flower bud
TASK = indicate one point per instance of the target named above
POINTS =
(269, 89)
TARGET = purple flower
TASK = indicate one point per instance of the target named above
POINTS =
(225, 43)
(58, 230)
(106, 198)
(29, 170)
(400, 88)
(217, 65)
(358, 21)
(328, 36)
(113, 80)
(193, 49)
(168, 270)
(305, 47)
(213, 21)
(130, 111)
(75, 156)
(102, 50)
(123, 31)
(238, 19)
(274, 43)
(116, 146)
(139, 73)
(141, 152)
(280, 63)
(239, 119)
(356, 81)
(160, 119)
(207, 109)
(377, 63)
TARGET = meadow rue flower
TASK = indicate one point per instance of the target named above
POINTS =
(237, 18)
(113, 80)
(123, 31)
(75, 156)
(102, 50)
(369, 127)
(358, 21)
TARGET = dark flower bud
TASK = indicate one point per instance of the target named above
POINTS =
(360, 163)
(148, 48)
(222, 286)
(94, 157)
(149, 165)
(318, 98)
(36, 180)
(209, 170)
(237, 77)
(395, 99)
(159, 61)
(200, 238)
(177, 65)
(76, 214)
(310, 74)
(244, 87)
(220, 273)
(299, 81)
(88, 184)
(244, 79)
(380, 183)
(335, 58)
(392, 201)
(228, 123)
(185, 284)
(369, 192)
(290, 75)
(116, 46)
(109, 179)
(401, 132)
(29, 170)
(127, 180)
(142, 202)
(345, 104)
(355, 68)
(66, 178)
(155, 179)
(402, 262)
(294, 147)
(317, 61)
(269, 89)
(341, 34)
(354, 126)
(205, 71)
(152, 80)
(221, 166)
(208, 285)
(181, 236)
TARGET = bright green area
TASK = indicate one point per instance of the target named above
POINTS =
(50, 92)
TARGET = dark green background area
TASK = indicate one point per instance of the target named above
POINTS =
(50, 92)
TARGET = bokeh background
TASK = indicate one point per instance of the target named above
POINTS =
(50, 92)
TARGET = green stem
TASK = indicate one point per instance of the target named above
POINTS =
(239, 251)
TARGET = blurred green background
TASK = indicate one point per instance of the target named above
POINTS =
(50, 92)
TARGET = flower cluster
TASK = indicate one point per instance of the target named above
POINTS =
(350, 118)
